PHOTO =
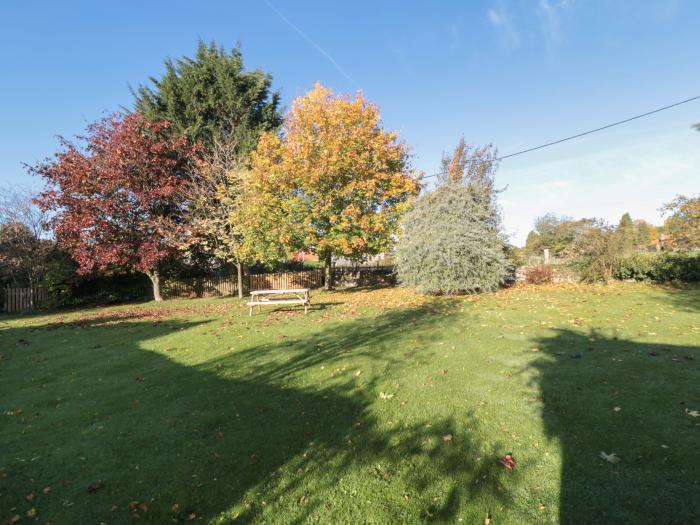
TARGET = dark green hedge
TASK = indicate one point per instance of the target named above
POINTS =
(70, 290)
(659, 267)
(99, 290)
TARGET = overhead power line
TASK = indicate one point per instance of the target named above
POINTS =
(590, 131)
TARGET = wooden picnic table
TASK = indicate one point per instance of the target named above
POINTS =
(291, 296)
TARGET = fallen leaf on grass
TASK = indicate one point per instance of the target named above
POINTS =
(447, 438)
(692, 413)
(385, 395)
(508, 461)
(610, 458)
(95, 486)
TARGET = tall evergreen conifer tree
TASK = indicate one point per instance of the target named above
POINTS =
(211, 96)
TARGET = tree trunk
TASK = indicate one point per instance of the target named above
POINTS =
(239, 270)
(329, 271)
(154, 276)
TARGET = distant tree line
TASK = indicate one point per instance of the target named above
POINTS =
(593, 246)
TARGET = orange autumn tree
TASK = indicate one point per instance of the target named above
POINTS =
(332, 181)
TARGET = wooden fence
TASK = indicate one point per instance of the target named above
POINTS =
(201, 287)
(286, 280)
(24, 299)
(227, 285)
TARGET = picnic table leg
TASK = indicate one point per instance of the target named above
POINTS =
(250, 313)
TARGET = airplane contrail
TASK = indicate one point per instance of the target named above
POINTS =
(314, 44)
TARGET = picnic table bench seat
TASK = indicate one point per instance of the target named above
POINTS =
(268, 297)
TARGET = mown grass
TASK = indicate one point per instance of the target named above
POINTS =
(380, 406)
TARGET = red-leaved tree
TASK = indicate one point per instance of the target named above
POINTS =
(117, 194)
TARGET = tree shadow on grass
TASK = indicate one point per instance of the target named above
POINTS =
(373, 338)
(609, 395)
(684, 297)
(229, 440)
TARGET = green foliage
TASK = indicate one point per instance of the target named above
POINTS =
(60, 278)
(210, 96)
(683, 224)
(558, 234)
(109, 289)
(71, 290)
(625, 234)
(561, 234)
(66, 288)
(452, 240)
(532, 243)
(596, 250)
(642, 234)
(515, 255)
(658, 267)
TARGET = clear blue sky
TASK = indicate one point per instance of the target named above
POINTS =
(515, 73)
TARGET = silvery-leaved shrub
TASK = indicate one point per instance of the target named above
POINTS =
(452, 240)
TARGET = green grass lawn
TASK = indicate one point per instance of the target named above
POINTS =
(380, 406)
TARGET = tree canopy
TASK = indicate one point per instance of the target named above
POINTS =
(557, 234)
(683, 223)
(24, 250)
(595, 251)
(216, 204)
(333, 182)
(212, 95)
(467, 162)
(117, 195)
(625, 233)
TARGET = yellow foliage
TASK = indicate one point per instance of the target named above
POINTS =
(333, 181)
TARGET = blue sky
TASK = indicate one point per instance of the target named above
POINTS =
(515, 73)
